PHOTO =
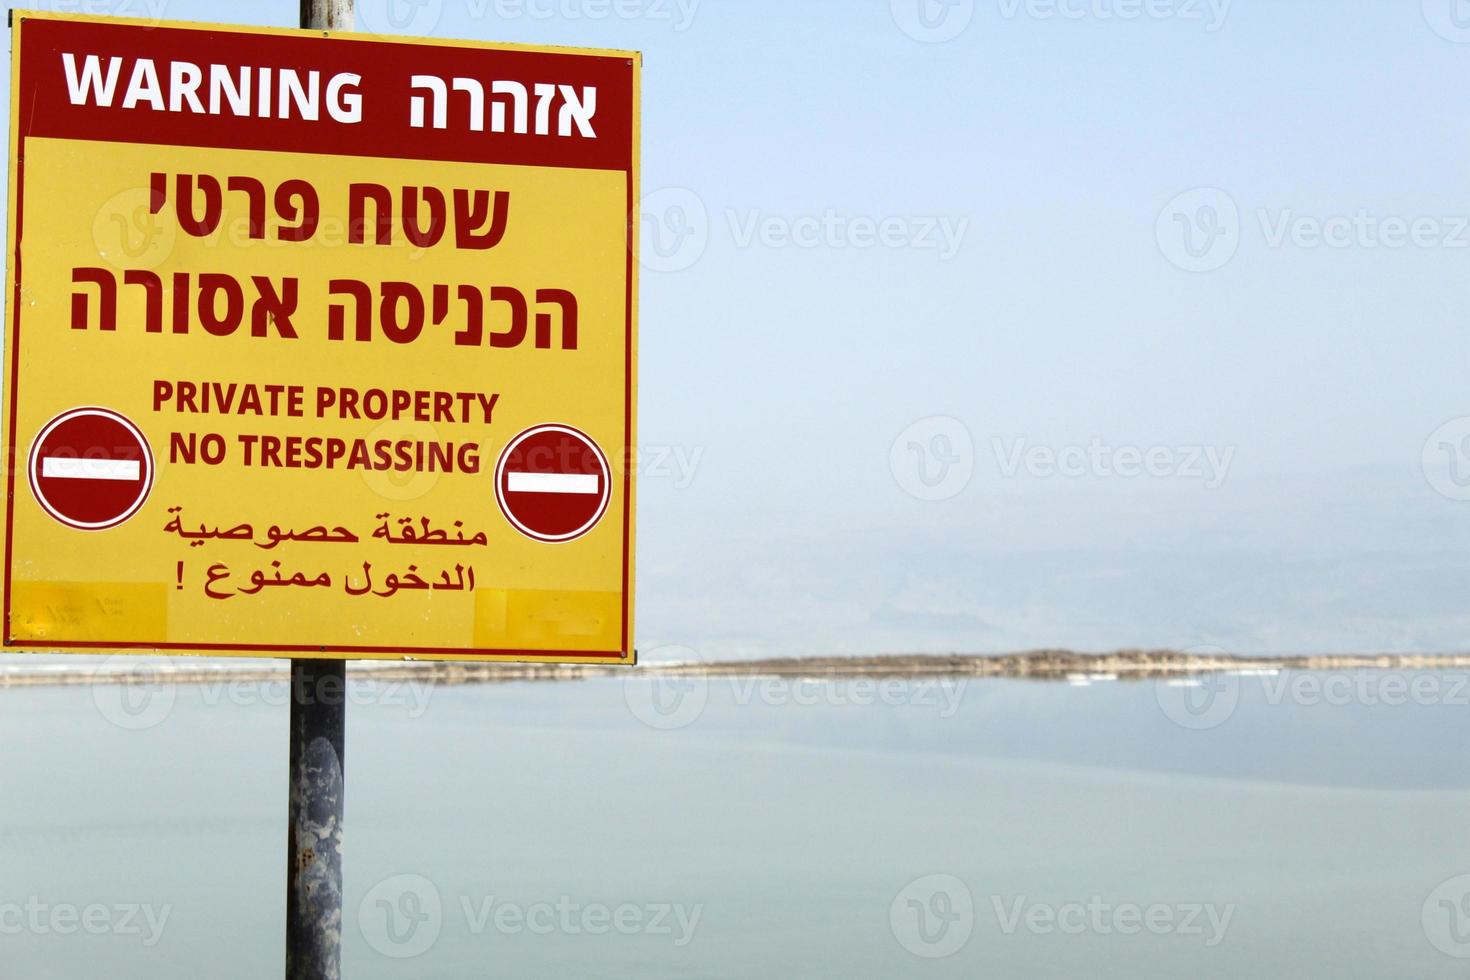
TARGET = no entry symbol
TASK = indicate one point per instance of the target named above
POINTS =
(90, 468)
(553, 483)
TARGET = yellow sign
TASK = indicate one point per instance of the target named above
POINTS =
(319, 345)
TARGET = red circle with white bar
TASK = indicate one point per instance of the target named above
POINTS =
(91, 468)
(553, 483)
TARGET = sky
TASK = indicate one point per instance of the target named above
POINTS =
(1005, 324)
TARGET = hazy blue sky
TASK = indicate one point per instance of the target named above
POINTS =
(1274, 350)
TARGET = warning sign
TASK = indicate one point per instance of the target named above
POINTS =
(319, 345)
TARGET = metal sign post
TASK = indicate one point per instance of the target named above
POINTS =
(316, 769)
(314, 832)
(327, 15)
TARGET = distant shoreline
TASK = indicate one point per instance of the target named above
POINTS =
(1039, 665)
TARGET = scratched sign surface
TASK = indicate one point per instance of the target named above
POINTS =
(319, 345)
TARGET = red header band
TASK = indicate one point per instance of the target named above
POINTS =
(304, 93)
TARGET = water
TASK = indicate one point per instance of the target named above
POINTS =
(549, 830)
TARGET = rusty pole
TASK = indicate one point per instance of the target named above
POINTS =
(326, 15)
(314, 831)
(318, 716)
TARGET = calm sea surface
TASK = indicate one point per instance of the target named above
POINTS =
(1270, 827)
